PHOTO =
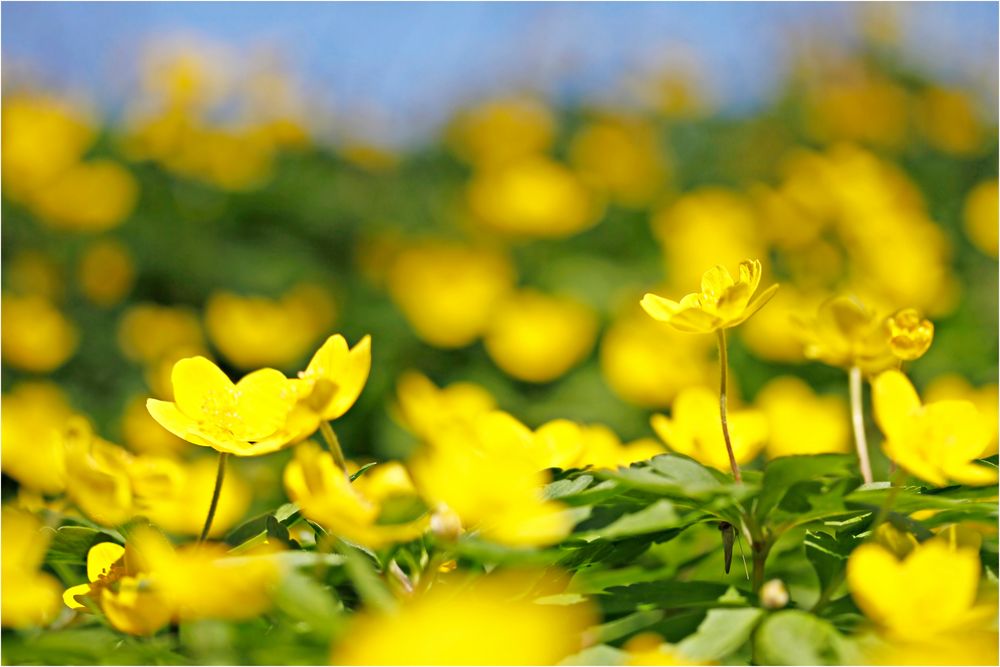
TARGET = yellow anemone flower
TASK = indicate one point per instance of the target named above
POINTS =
(423, 407)
(721, 304)
(245, 419)
(693, 429)
(30, 597)
(846, 333)
(335, 376)
(910, 335)
(936, 442)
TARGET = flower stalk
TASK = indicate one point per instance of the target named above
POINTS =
(858, 422)
(723, 381)
(216, 492)
(333, 443)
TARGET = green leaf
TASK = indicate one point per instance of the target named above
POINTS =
(782, 473)
(70, 544)
(794, 637)
(828, 554)
(305, 600)
(657, 517)
(722, 632)
(660, 595)
(602, 654)
(363, 469)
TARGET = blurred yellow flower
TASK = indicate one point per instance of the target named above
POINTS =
(502, 130)
(149, 332)
(936, 442)
(98, 479)
(30, 596)
(647, 362)
(447, 291)
(35, 336)
(847, 333)
(564, 444)
(949, 120)
(985, 398)
(493, 620)
(256, 331)
(106, 272)
(144, 435)
(245, 419)
(537, 337)
(800, 422)
(89, 196)
(910, 335)
(622, 157)
(956, 648)
(866, 108)
(534, 197)
(693, 429)
(325, 494)
(32, 419)
(770, 333)
(649, 648)
(721, 304)
(423, 407)
(980, 217)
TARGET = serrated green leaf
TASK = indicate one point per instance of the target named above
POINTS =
(70, 544)
(659, 516)
(784, 473)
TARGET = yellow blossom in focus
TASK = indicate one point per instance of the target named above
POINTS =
(325, 494)
(537, 337)
(847, 333)
(42, 137)
(980, 217)
(32, 418)
(502, 130)
(35, 336)
(985, 398)
(649, 648)
(936, 442)
(106, 272)
(800, 422)
(496, 619)
(621, 157)
(693, 429)
(950, 121)
(90, 196)
(909, 599)
(647, 362)
(245, 419)
(423, 407)
(143, 435)
(32, 272)
(910, 335)
(446, 291)
(30, 596)
(534, 197)
(721, 304)
(257, 331)
(149, 332)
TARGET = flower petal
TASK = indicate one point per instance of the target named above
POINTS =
(895, 401)
(201, 389)
(659, 308)
(715, 282)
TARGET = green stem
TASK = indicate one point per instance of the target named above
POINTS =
(334, 445)
(858, 421)
(760, 551)
(723, 375)
(216, 492)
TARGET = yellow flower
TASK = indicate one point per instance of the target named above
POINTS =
(950, 121)
(648, 648)
(149, 332)
(144, 435)
(980, 217)
(769, 334)
(106, 272)
(646, 362)
(446, 291)
(32, 420)
(910, 336)
(30, 597)
(245, 419)
(424, 408)
(533, 197)
(335, 376)
(97, 475)
(502, 130)
(958, 648)
(565, 444)
(537, 338)
(846, 333)
(89, 196)
(622, 157)
(721, 304)
(800, 422)
(257, 331)
(985, 398)
(36, 336)
(936, 442)
(325, 495)
(494, 620)
(909, 599)
(693, 429)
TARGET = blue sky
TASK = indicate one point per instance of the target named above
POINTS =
(415, 60)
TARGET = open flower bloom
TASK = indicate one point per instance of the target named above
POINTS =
(30, 597)
(910, 335)
(97, 475)
(693, 429)
(721, 304)
(326, 495)
(330, 384)
(245, 419)
(846, 333)
(423, 407)
(936, 442)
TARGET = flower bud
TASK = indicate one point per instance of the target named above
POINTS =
(446, 524)
(773, 594)
(909, 335)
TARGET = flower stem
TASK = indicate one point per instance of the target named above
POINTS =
(334, 444)
(858, 420)
(216, 492)
(723, 375)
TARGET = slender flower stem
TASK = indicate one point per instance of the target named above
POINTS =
(723, 374)
(334, 444)
(216, 492)
(858, 420)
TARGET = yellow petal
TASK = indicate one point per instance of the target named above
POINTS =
(659, 308)
(757, 303)
(201, 389)
(69, 596)
(101, 557)
(694, 320)
(265, 399)
(895, 401)
(351, 379)
(715, 282)
(750, 273)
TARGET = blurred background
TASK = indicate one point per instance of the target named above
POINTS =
(488, 190)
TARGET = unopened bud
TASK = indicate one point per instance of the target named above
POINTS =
(773, 594)
(446, 524)
(909, 334)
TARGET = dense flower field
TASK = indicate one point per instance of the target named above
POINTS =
(272, 400)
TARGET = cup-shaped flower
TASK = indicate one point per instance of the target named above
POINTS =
(722, 302)
(335, 376)
(246, 418)
(936, 442)
(846, 333)
(909, 334)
